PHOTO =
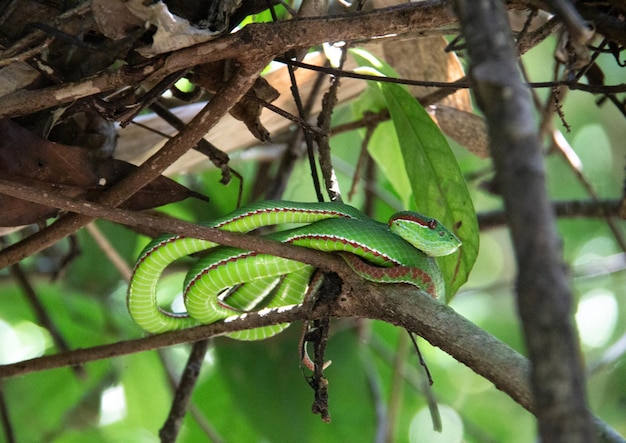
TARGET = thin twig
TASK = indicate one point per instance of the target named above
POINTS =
(564, 209)
(152, 342)
(336, 72)
(173, 149)
(109, 251)
(5, 419)
(308, 138)
(171, 427)
(293, 151)
(196, 413)
(41, 313)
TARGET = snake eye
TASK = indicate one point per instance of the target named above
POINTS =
(432, 225)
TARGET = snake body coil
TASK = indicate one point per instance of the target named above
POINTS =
(230, 281)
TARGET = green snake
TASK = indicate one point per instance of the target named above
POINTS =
(230, 281)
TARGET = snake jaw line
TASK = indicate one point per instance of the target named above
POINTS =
(425, 233)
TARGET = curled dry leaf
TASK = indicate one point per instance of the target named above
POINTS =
(172, 32)
(113, 19)
(466, 128)
(248, 110)
(67, 170)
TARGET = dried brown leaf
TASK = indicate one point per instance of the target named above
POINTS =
(113, 18)
(466, 128)
(248, 110)
(67, 170)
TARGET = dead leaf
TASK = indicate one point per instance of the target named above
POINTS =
(248, 110)
(70, 171)
(159, 192)
(113, 18)
(25, 155)
(466, 128)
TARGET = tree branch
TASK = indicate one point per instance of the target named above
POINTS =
(169, 225)
(543, 296)
(401, 305)
(254, 42)
(174, 148)
(184, 390)
(569, 209)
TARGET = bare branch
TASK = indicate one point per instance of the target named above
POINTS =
(543, 295)
(262, 41)
(401, 305)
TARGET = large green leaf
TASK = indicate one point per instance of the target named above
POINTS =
(267, 389)
(438, 187)
(383, 145)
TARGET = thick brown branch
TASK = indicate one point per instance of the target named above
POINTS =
(25, 102)
(544, 298)
(254, 42)
(172, 226)
(401, 305)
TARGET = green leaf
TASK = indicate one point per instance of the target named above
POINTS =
(437, 184)
(383, 146)
(439, 188)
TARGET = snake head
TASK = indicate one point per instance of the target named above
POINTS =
(425, 233)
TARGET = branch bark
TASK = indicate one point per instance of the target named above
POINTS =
(173, 149)
(401, 305)
(544, 298)
(262, 40)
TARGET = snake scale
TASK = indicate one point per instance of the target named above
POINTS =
(230, 281)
